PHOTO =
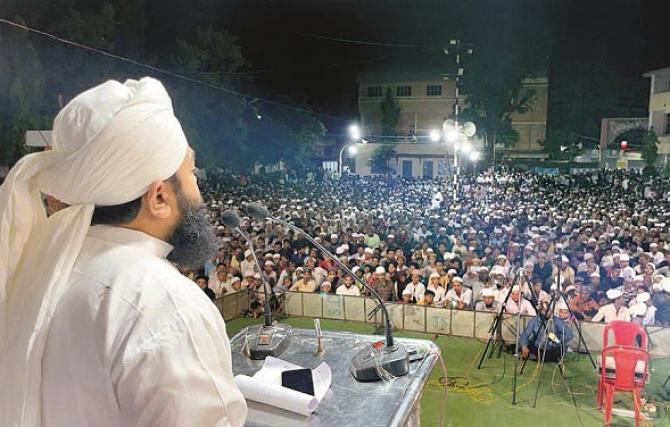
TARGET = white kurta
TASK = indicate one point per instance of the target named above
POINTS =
(134, 343)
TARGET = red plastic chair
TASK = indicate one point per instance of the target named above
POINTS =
(626, 361)
(625, 334)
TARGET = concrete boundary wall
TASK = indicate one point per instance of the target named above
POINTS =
(442, 321)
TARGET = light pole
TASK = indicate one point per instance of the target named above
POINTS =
(459, 48)
(352, 150)
(355, 137)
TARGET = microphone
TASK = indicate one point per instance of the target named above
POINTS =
(270, 340)
(365, 364)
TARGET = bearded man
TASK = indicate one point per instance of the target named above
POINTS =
(97, 327)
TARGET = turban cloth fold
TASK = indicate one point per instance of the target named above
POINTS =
(110, 144)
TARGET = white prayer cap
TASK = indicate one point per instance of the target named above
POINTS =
(380, 270)
(516, 288)
(457, 279)
(247, 253)
(564, 259)
(624, 257)
(325, 284)
(614, 293)
(369, 250)
(433, 275)
(269, 263)
(234, 279)
(638, 309)
(333, 236)
(340, 250)
(497, 269)
(643, 297)
(110, 144)
(488, 292)
(452, 272)
(355, 269)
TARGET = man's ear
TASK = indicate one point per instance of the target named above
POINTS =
(159, 200)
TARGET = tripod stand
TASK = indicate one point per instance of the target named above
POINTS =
(558, 293)
(495, 331)
(547, 324)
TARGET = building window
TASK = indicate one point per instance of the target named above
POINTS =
(434, 90)
(374, 91)
(403, 91)
(667, 124)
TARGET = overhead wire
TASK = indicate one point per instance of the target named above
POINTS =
(166, 72)
(361, 42)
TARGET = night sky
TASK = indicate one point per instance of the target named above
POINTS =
(595, 51)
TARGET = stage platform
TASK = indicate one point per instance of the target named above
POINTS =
(483, 397)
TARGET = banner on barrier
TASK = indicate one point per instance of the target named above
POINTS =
(464, 323)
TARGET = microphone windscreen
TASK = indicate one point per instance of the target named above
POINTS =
(256, 210)
(230, 219)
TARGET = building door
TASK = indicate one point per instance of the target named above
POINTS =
(406, 168)
(427, 168)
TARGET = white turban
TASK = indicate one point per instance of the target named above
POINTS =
(110, 144)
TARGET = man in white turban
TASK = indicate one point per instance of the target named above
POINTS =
(96, 326)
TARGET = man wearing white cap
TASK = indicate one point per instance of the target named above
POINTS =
(517, 303)
(97, 328)
(550, 337)
(626, 269)
(488, 302)
(616, 310)
(247, 265)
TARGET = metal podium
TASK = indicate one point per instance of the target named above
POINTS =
(349, 402)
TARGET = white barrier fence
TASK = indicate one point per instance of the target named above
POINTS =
(445, 321)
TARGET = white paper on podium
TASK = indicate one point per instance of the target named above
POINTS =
(265, 386)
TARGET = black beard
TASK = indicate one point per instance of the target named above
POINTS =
(194, 239)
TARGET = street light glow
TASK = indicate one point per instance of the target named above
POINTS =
(452, 134)
(353, 150)
(354, 132)
(434, 135)
(466, 147)
(474, 156)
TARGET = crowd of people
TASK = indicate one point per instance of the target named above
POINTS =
(508, 238)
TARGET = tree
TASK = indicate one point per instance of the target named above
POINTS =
(492, 99)
(379, 160)
(390, 114)
(554, 143)
(650, 152)
(212, 119)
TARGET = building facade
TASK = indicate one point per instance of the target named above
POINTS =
(659, 110)
(426, 96)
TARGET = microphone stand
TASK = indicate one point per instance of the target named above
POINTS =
(365, 364)
(266, 339)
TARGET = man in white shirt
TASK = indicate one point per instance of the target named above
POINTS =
(348, 287)
(130, 341)
(459, 296)
(220, 283)
(247, 265)
(517, 303)
(616, 310)
(416, 287)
